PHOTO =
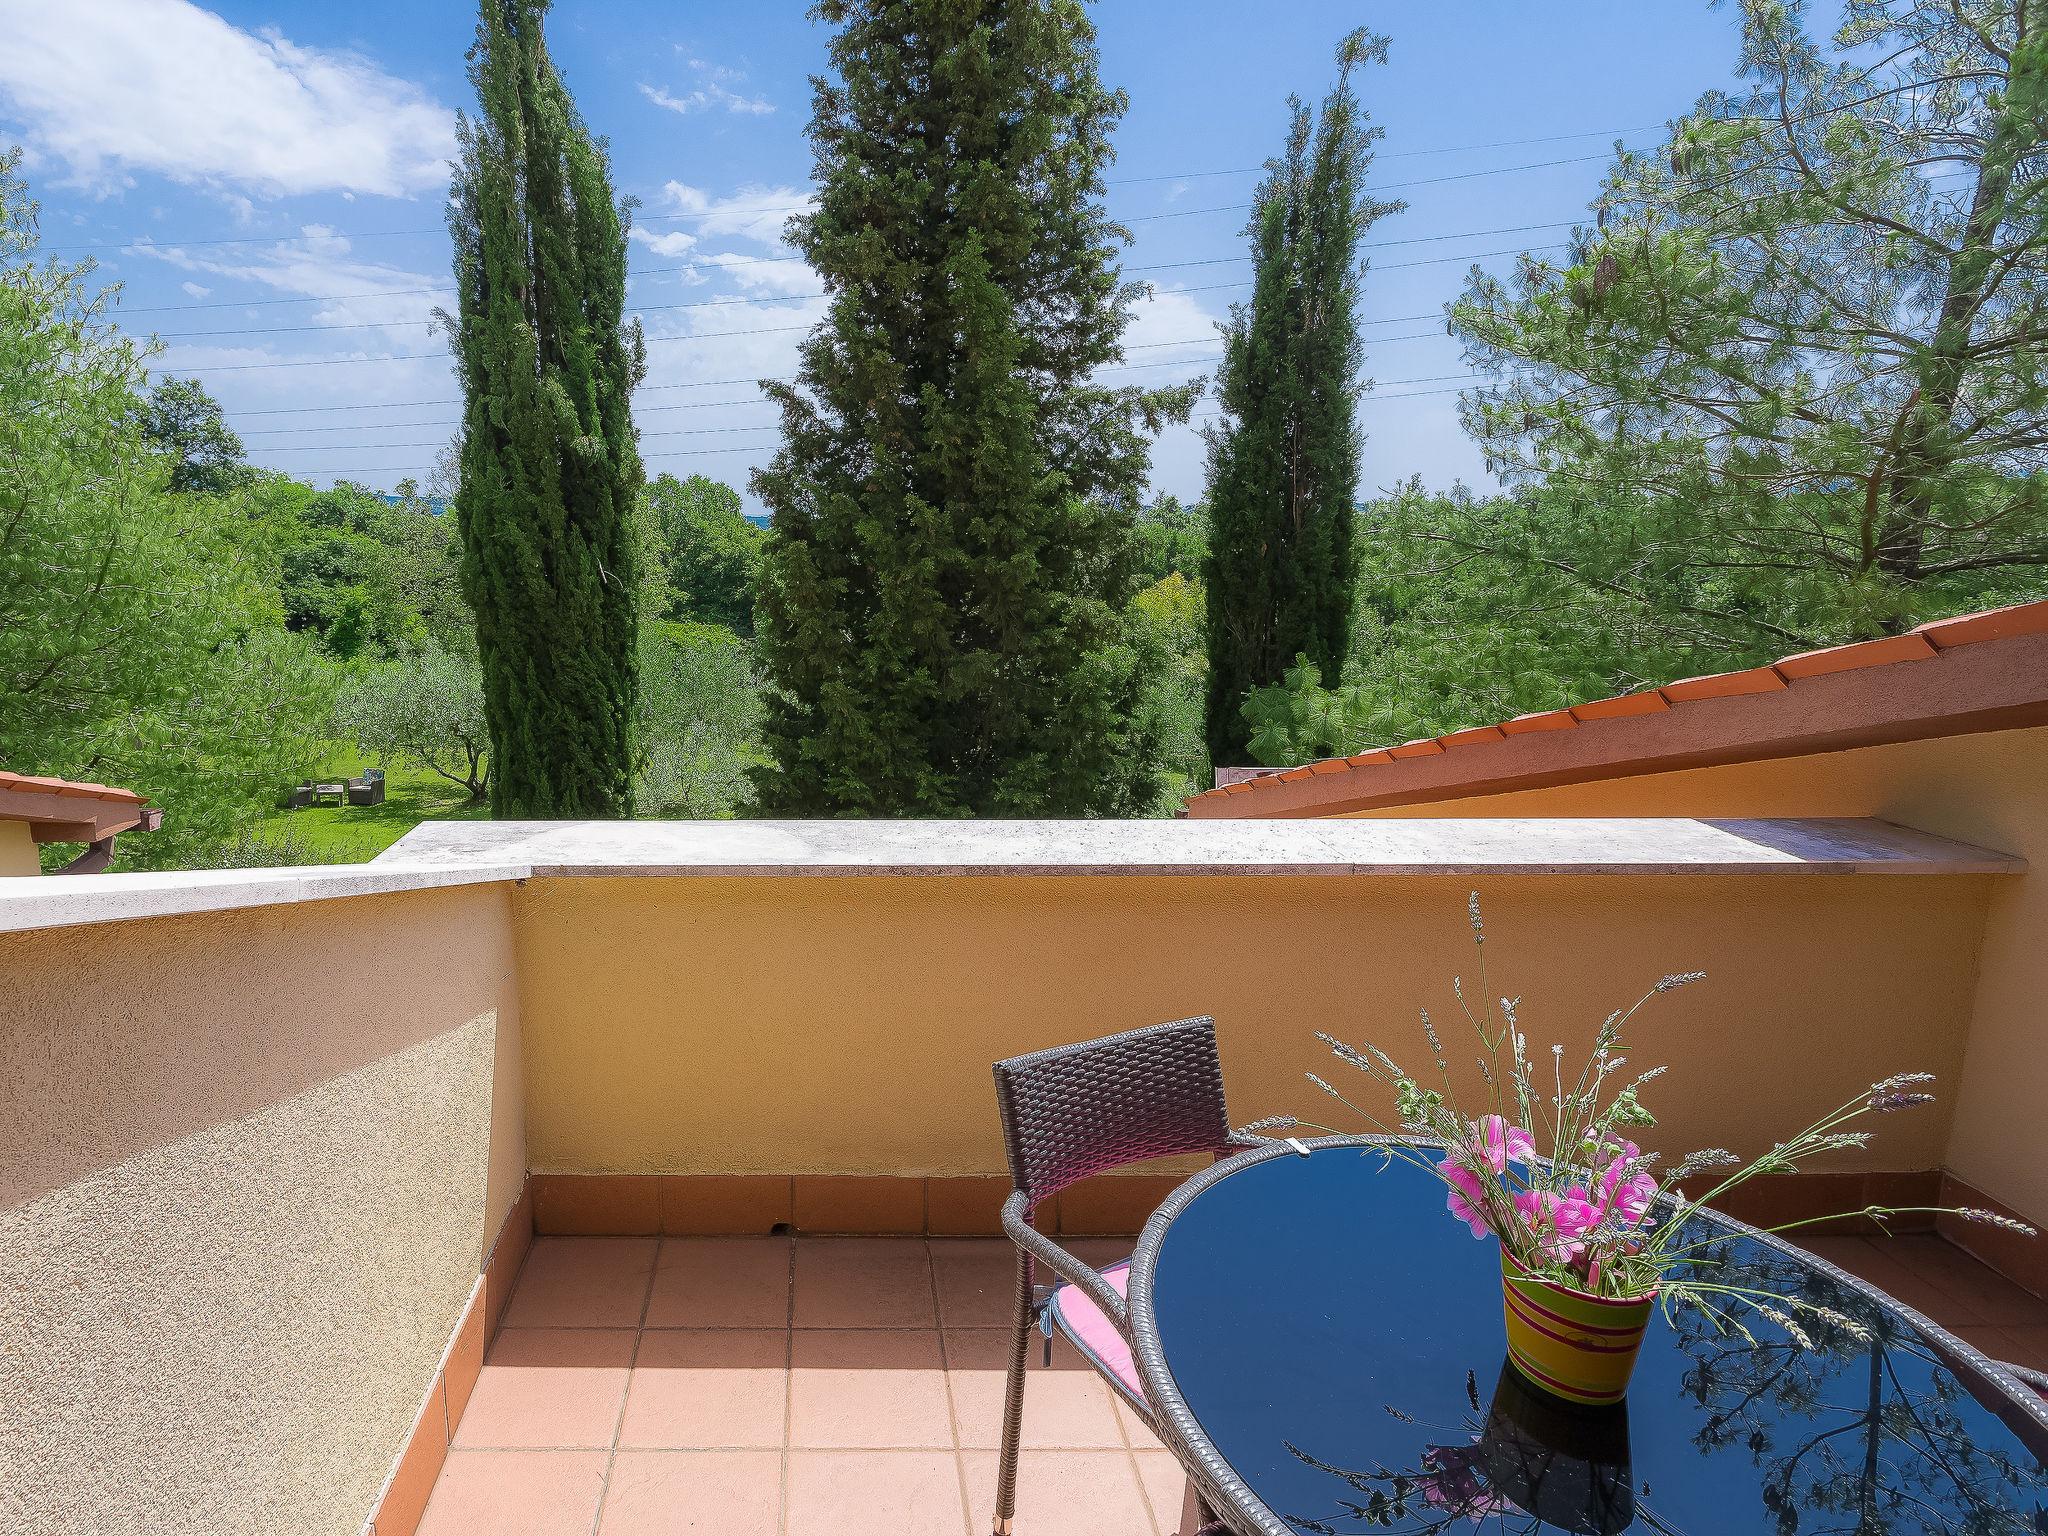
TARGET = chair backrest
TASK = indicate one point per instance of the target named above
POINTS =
(1077, 1110)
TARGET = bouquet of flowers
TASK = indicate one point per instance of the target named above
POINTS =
(1552, 1168)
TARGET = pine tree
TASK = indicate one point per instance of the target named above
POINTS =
(550, 463)
(942, 593)
(1283, 461)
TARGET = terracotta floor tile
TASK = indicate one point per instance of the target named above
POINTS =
(583, 1282)
(1067, 1406)
(1871, 1260)
(516, 1493)
(703, 1493)
(549, 1387)
(695, 1390)
(863, 1282)
(868, 1388)
(1076, 1493)
(1165, 1485)
(976, 1280)
(876, 1493)
(721, 1282)
(1969, 1284)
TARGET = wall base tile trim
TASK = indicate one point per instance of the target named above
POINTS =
(2022, 1260)
(410, 1483)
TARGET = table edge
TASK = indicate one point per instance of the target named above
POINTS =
(1235, 1502)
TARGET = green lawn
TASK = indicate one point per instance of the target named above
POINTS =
(354, 834)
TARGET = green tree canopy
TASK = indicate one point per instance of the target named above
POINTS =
(140, 637)
(550, 464)
(186, 423)
(1798, 367)
(426, 709)
(1283, 461)
(712, 550)
(943, 594)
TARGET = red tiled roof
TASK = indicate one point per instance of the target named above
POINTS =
(63, 811)
(30, 783)
(1699, 720)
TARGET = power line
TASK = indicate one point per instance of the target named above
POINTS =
(420, 469)
(329, 233)
(1433, 378)
(740, 301)
(413, 357)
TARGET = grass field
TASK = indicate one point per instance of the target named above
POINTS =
(353, 834)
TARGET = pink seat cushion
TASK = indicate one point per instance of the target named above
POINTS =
(1090, 1328)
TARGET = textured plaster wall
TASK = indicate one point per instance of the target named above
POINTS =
(1991, 790)
(249, 1164)
(18, 854)
(848, 1024)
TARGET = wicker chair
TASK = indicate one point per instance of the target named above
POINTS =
(1072, 1112)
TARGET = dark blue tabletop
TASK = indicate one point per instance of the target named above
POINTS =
(1336, 1340)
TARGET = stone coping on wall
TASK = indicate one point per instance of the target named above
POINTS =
(442, 854)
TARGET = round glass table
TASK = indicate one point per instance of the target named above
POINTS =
(1323, 1348)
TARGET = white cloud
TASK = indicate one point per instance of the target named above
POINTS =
(754, 213)
(708, 95)
(122, 86)
(671, 243)
(319, 264)
(196, 290)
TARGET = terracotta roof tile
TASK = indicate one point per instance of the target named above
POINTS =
(35, 783)
(1472, 734)
(1621, 706)
(1998, 624)
(1919, 645)
(1723, 685)
(1847, 658)
(1544, 720)
(1422, 746)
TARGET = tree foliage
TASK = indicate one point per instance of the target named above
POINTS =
(1800, 363)
(700, 737)
(943, 593)
(712, 551)
(1283, 461)
(426, 709)
(186, 423)
(549, 462)
(140, 641)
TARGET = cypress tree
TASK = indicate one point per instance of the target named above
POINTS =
(1284, 458)
(550, 463)
(942, 591)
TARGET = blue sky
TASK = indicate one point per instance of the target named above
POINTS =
(273, 173)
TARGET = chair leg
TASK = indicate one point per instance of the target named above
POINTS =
(1013, 1401)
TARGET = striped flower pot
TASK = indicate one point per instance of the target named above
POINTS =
(1578, 1347)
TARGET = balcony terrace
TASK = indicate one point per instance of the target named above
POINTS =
(643, 1177)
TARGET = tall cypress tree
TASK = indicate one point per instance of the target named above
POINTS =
(550, 462)
(1283, 461)
(950, 553)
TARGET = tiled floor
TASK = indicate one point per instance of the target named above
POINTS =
(1926, 1272)
(779, 1387)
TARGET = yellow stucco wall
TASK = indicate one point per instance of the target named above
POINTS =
(249, 1164)
(1991, 790)
(848, 1024)
(18, 854)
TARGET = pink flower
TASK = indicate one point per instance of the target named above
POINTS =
(1499, 1142)
(1628, 1195)
(1559, 1223)
(1465, 1200)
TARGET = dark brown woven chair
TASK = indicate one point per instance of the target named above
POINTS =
(1079, 1110)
